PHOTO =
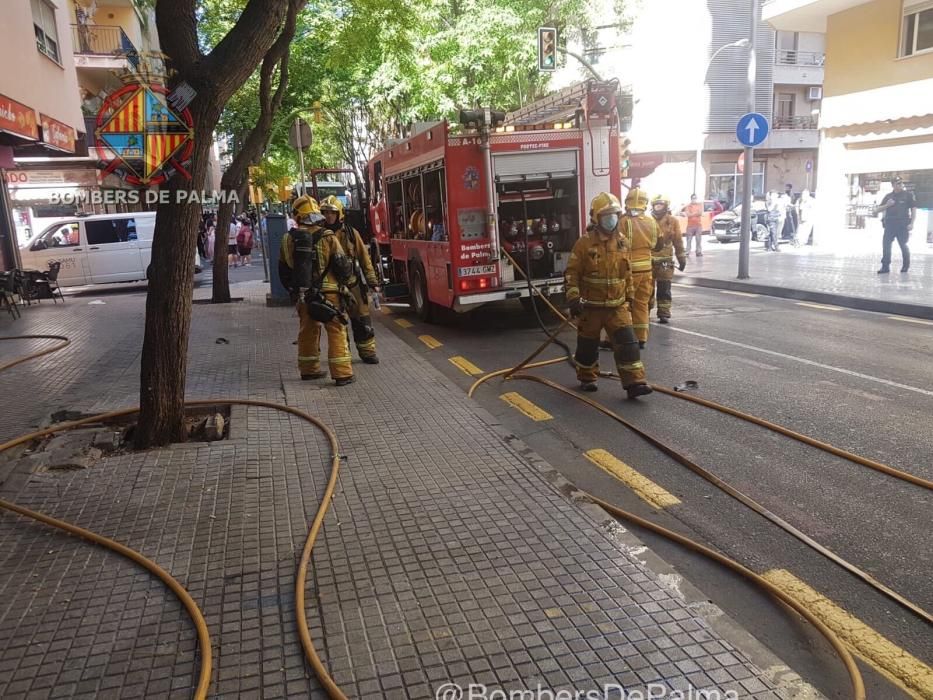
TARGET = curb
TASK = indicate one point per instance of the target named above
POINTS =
(860, 303)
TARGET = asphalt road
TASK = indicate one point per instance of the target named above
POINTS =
(861, 381)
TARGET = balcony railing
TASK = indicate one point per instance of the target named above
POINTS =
(102, 40)
(783, 57)
(795, 122)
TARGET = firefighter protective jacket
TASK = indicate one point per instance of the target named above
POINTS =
(598, 272)
(304, 254)
(352, 243)
(641, 235)
(670, 240)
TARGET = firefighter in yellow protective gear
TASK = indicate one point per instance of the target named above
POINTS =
(671, 242)
(600, 290)
(314, 269)
(363, 281)
(641, 234)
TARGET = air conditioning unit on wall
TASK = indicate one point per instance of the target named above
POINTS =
(815, 93)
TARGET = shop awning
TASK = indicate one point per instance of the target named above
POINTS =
(18, 120)
(57, 135)
(913, 154)
(878, 106)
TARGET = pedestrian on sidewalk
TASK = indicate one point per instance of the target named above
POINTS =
(694, 214)
(211, 239)
(233, 258)
(670, 243)
(900, 208)
(777, 212)
(789, 232)
(641, 237)
(600, 290)
(363, 281)
(805, 217)
(244, 241)
(314, 269)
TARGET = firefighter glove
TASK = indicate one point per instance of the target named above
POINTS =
(576, 307)
(682, 265)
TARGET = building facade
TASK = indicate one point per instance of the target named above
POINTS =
(39, 111)
(689, 93)
(877, 116)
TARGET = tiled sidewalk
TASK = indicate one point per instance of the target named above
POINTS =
(843, 266)
(447, 556)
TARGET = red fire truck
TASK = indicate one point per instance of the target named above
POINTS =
(447, 199)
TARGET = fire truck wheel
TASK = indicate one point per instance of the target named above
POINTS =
(419, 294)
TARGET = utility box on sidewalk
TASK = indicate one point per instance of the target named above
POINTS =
(276, 228)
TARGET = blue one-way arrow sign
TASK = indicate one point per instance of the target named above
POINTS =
(752, 129)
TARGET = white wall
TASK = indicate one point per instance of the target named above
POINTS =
(32, 78)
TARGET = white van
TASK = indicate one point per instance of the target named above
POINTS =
(95, 249)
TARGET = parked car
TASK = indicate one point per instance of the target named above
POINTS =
(96, 249)
(710, 207)
(727, 226)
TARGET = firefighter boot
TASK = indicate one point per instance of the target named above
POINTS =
(636, 390)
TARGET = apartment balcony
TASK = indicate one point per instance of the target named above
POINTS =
(798, 67)
(794, 132)
(102, 47)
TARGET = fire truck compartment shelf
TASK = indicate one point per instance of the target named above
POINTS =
(535, 166)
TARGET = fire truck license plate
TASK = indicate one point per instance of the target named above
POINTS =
(477, 270)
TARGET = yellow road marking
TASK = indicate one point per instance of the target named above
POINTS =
(465, 366)
(385, 309)
(430, 341)
(404, 322)
(519, 402)
(911, 320)
(891, 661)
(824, 307)
(644, 487)
(738, 294)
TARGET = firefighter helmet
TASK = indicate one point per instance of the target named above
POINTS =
(661, 199)
(604, 211)
(636, 198)
(332, 203)
(305, 209)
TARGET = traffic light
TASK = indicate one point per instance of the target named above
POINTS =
(625, 155)
(547, 49)
(474, 118)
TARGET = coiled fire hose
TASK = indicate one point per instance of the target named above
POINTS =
(191, 607)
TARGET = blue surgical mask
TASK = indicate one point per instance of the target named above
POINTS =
(608, 222)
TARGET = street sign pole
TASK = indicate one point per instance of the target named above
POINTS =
(301, 154)
(749, 174)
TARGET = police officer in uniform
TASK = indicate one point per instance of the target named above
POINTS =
(670, 242)
(641, 234)
(313, 267)
(361, 283)
(600, 291)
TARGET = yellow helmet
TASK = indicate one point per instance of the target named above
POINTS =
(332, 203)
(661, 199)
(305, 208)
(636, 198)
(604, 203)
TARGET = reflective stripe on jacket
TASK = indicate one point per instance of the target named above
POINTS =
(641, 234)
(598, 272)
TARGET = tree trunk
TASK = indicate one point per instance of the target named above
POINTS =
(168, 305)
(220, 284)
(214, 78)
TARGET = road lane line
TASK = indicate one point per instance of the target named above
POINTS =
(430, 341)
(404, 322)
(802, 360)
(643, 487)
(822, 307)
(911, 320)
(883, 655)
(465, 366)
(752, 363)
(519, 402)
(738, 294)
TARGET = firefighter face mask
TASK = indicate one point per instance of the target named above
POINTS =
(608, 222)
